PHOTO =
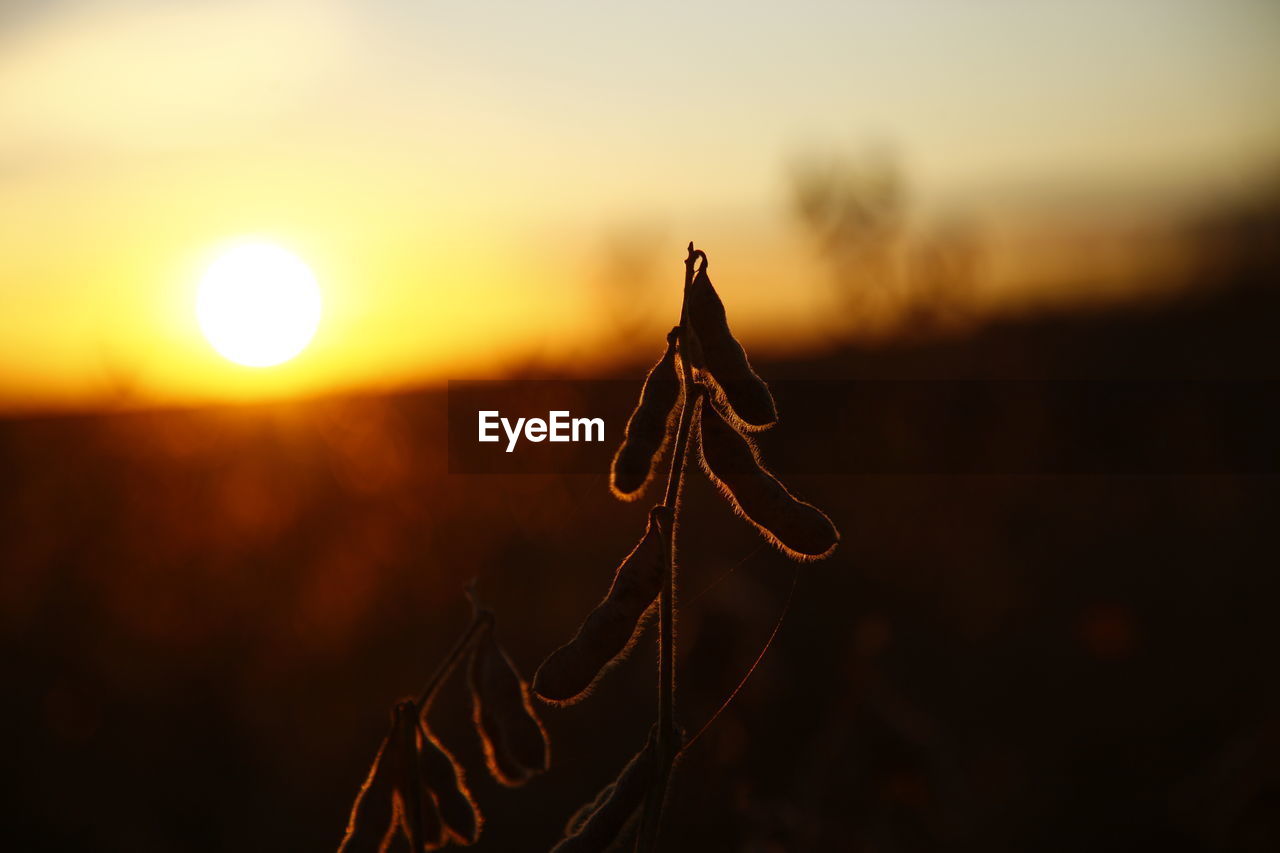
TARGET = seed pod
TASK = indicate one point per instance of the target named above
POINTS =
(416, 815)
(416, 809)
(389, 800)
(372, 812)
(579, 817)
(800, 530)
(743, 393)
(648, 428)
(446, 784)
(612, 808)
(515, 743)
(609, 631)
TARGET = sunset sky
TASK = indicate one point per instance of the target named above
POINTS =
(451, 171)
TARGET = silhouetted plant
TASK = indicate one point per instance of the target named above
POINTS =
(715, 379)
(704, 394)
(416, 790)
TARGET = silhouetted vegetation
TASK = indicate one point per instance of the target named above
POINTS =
(198, 607)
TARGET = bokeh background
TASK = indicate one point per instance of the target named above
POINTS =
(216, 580)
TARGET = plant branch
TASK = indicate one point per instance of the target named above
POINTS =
(482, 619)
(742, 682)
(667, 748)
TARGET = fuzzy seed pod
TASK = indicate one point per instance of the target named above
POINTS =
(800, 530)
(612, 809)
(446, 785)
(579, 817)
(608, 632)
(416, 816)
(372, 812)
(625, 840)
(391, 799)
(515, 743)
(743, 393)
(415, 808)
(648, 428)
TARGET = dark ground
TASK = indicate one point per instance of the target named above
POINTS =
(206, 614)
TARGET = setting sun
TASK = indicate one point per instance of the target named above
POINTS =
(258, 305)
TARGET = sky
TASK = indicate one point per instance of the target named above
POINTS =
(451, 171)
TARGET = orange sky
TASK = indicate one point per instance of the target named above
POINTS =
(454, 172)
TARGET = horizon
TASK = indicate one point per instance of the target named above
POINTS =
(462, 188)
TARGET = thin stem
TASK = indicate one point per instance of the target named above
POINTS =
(481, 620)
(666, 746)
(742, 682)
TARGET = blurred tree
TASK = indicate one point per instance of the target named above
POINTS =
(888, 279)
(942, 268)
(853, 207)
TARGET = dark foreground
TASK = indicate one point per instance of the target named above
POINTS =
(207, 614)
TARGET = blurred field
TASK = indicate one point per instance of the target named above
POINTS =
(207, 613)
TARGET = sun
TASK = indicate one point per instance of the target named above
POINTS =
(258, 304)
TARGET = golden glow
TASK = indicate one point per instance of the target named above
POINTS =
(458, 188)
(258, 305)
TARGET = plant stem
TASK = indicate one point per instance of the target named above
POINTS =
(666, 745)
(482, 619)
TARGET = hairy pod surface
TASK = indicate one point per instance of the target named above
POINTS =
(612, 809)
(416, 809)
(446, 783)
(609, 630)
(515, 743)
(745, 394)
(373, 811)
(649, 427)
(800, 530)
(391, 800)
(579, 817)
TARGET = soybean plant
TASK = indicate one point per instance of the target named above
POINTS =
(416, 791)
(702, 393)
(701, 397)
